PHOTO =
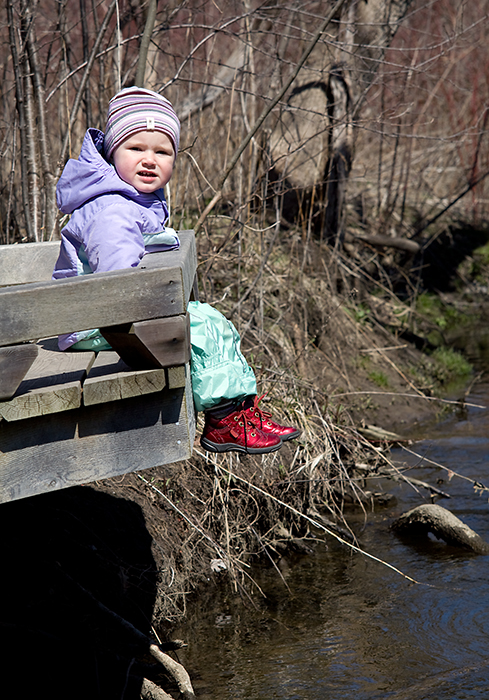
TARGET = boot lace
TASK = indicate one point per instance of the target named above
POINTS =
(245, 422)
(258, 412)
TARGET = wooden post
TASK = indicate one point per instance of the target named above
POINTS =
(75, 447)
(15, 362)
(161, 342)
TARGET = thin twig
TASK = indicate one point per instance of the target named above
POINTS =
(476, 484)
(83, 82)
(220, 550)
(320, 526)
(266, 111)
(412, 396)
(472, 184)
(258, 275)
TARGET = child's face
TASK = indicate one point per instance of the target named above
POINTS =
(145, 160)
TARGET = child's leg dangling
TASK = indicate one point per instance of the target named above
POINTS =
(228, 429)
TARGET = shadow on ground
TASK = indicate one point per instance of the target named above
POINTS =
(62, 554)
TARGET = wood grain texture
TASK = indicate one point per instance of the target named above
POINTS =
(52, 384)
(177, 376)
(34, 262)
(188, 251)
(27, 262)
(160, 342)
(110, 379)
(15, 362)
(156, 289)
(76, 447)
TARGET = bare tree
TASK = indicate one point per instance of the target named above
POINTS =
(223, 67)
(312, 144)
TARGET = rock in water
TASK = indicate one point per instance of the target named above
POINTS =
(443, 524)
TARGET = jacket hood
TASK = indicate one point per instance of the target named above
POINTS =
(91, 176)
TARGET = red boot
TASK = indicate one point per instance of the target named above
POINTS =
(263, 420)
(236, 433)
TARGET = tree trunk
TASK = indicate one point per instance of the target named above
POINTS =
(20, 103)
(48, 181)
(312, 143)
(145, 41)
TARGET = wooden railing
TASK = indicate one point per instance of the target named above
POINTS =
(69, 418)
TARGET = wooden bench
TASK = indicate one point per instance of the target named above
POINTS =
(68, 418)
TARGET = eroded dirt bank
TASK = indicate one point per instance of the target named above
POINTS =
(335, 359)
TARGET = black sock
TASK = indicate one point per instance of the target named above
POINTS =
(227, 406)
(222, 409)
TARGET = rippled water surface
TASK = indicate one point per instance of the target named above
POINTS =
(351, 628)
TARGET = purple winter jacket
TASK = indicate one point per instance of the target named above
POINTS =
(112, 225)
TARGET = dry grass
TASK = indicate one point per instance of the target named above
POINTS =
(321, 321)
(213, 515)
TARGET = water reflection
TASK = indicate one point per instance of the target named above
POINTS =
(351, 628)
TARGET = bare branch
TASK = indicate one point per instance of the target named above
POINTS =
(145, 40)
(81, 88)
(266, 111)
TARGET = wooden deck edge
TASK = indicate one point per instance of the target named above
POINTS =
(82, 379)
(76, 447)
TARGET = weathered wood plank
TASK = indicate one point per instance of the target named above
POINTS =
(81, 303)
(46, 309)
(34, 262)
(177, 376)
(27, 262)
(41, 402)
(45, 446)
(160, 342)
(15, 361)
(95, 442)
(110, 379)
(52, 384)
(189, 252)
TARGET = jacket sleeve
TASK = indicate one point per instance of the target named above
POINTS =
(68, 263)
(112, 238)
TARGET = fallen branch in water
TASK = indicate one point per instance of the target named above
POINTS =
(478, 486)
(151, 691)
(443, 524)
(376, 434)
(395, 474)
(176, 670)
(415, 482)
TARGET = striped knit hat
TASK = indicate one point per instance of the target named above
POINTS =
(136, 109)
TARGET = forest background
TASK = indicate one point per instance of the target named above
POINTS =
(333, 163)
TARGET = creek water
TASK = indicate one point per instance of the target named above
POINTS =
(340, 625)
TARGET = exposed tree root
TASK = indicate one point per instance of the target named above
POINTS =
(444, 525)
(172, 667)
(151, 691)
(176, 670)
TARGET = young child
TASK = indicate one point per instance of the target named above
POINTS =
(114, 194)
